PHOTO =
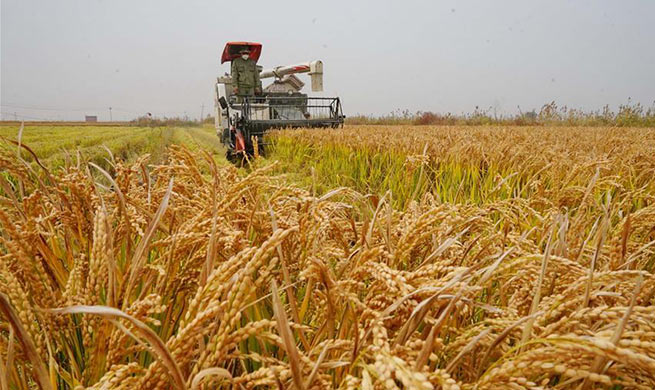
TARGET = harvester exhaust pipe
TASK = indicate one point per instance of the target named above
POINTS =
(314, 68)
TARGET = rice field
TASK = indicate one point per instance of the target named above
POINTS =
(478, 164)
(56, 144)
(369, 257)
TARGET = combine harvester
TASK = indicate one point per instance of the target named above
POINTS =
(241, 121)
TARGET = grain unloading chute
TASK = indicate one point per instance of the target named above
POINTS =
(281, 104)
(314, 68)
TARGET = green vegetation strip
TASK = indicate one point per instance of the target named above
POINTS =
(55, 144)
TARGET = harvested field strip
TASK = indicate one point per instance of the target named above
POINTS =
(54, 144)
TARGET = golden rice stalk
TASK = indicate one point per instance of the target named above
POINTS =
(158, 346)
(136, 263)
(287, 338)
(216, 372)
(40, 373)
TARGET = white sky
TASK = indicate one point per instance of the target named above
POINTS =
(66, 58)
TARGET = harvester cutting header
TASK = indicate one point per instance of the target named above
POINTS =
(245, 110)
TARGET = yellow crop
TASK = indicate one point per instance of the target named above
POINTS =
(384, 258)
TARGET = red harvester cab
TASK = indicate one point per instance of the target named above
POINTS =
(232, 49)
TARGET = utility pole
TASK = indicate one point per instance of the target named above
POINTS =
(110, 118)
(202, 111)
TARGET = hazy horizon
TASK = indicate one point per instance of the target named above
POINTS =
(62, 60)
